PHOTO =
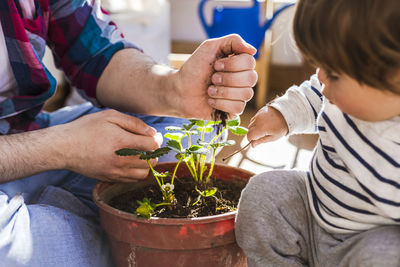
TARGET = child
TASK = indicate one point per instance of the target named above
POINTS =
(345, 211)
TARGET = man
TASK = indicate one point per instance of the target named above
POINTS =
(47, 217)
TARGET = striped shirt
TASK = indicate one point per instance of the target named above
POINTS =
(354, 179)
(82, 39)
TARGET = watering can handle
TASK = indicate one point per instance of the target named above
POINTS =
(268, 23)
(201, 16)
(203, 20)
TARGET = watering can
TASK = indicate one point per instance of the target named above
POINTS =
(243, 21)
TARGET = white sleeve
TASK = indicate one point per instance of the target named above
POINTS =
(300, 106)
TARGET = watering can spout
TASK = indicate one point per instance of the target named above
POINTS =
(269, 22)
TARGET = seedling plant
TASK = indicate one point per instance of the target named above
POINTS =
(194, 156)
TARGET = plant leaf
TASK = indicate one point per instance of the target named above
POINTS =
(174, 145)
(202, 143)
(174, 128)
(174, 136)
(198, 123)
(238, 130)
(196, 149)
(129, 152)
(191, 132)
(156, 153)
(210, 123)
(181, 156)
(188, 126)
(234, 122)
(209, 192)
(146, 208)
(209, 129)
(161, 174)
(221, 144)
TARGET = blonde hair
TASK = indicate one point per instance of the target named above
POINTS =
(359, 38)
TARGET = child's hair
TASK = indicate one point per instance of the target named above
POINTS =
(359, 38)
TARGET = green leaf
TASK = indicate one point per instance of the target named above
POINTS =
(188, 126)
(221, 144)
(174, 145)
(238, 130)
(129, 152)
(181, 156)
(174, 136)
(146, 208)
(196, 149)
(174, 128)
(210, 123)
(209, 192)
(143, 154)
(234, 122)
(198, 123)
(202, 143)
(156, 153)
(191, 132)
(209, 129)
(161, 174)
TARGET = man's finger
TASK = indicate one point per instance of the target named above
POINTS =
(240, 62)
(229, 106)
(246, 78)
(234, 44)
(130, 123)
(231, 93)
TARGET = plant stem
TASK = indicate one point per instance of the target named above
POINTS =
(191, 171)
(176, 168)
(211, 167)
(154, 173)
(218, 135)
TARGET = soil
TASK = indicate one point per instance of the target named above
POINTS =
(224, 200)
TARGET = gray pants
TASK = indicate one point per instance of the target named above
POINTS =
(275, 227)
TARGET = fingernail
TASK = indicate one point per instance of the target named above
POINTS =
(217, 79)
(151, 131)
(219, 65)
(212, 91)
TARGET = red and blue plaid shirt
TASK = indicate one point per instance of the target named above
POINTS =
(82, 39)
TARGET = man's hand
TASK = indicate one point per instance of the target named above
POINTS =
(92, 140)
(219, 75)
(267, 125)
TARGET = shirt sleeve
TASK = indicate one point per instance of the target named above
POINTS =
(300, 106)
(83, 39)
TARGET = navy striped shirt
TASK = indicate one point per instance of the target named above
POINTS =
(354, 178)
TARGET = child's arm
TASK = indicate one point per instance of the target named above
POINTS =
(294, 112)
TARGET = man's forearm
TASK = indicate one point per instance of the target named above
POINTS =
(25, 154)
(133, 82)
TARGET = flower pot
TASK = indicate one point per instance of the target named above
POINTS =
(204, 241)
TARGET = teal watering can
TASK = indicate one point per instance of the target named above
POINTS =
(243, 21)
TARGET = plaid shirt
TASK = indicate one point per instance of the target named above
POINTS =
(82, 39)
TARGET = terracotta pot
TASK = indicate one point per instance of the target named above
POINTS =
(204, 241)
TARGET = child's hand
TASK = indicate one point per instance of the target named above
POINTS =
(267, 125)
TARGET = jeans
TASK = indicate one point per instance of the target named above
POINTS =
(49, 219)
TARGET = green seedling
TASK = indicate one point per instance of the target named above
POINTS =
(194, 156)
